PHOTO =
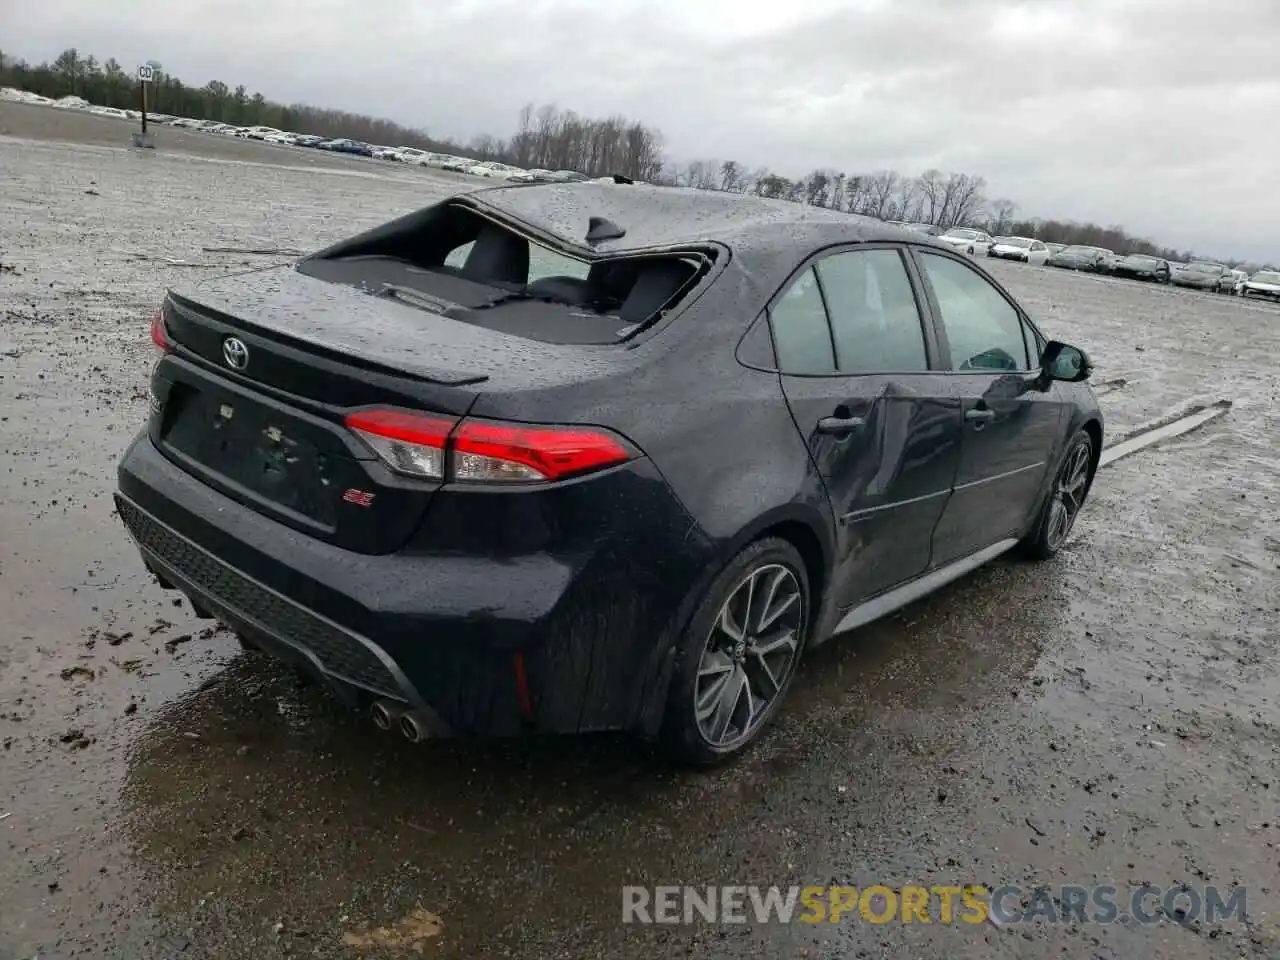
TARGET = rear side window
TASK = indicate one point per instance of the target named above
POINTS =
(984, 331)
(875, 320)
(801, 334)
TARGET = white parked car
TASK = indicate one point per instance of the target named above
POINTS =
(1026, 249)
(457, 164)
(493, 169)
(976, 243)
(1264, 283)
(536, 175)
(260, 133)
(387, 153)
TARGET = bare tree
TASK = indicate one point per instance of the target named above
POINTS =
(962, 200)
(731, 179)
(931, 189)
(882, 190)
(910, 200)
(1002, 214)
(700, 174)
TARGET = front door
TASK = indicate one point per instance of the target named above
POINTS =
(856, 369)
(1011, 426)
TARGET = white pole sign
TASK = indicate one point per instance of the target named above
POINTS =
(146, 73)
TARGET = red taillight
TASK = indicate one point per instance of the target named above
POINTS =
(485, 451)
(158, 335)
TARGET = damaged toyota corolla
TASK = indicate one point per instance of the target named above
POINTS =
(563, 458)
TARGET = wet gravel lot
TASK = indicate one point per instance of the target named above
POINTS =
(1111, 717)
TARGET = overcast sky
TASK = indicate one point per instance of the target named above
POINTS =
(1162, 115)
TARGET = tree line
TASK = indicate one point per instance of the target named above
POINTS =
(548, 137)
(552, 138)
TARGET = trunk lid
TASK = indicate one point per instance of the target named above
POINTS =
(270, 434)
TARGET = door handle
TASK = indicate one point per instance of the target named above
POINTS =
(979, 414)
(840, 425)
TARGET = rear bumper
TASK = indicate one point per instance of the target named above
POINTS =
(588, 623)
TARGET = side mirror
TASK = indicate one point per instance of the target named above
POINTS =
(1061, 361)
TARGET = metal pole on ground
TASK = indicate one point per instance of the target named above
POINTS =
(146, 74)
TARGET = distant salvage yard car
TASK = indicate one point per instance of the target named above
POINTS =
(1139, 266)
(976, 243)
(560, 458)
(1026, 249)
(1078, 257)
(1200, 275)
(1264, 283)
(354, 147)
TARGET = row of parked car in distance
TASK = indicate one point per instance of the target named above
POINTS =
(491, 169)
(413, 156)
(1196, 275)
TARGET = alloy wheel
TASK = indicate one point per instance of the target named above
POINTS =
(749, 656)
(1068, 495)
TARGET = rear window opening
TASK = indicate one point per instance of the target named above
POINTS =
(451, 261)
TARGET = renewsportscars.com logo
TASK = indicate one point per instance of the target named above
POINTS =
(969, 904)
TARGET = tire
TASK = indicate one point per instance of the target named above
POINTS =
(1068, 492)
(727, 723)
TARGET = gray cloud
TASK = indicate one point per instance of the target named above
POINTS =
(1158, 114)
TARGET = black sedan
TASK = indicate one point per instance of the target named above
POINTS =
(1139, 266)
(561, 458)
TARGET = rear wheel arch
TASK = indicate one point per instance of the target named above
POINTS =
(807, 543)
(803, 528)
(800, 525)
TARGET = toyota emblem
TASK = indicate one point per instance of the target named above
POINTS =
(235, 353)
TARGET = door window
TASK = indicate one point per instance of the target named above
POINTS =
(875, 321)
(801, 334)
(983, 329)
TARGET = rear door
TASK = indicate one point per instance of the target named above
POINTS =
(1011, 427)
(856, 364)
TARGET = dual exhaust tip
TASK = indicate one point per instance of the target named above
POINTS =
(388, 715)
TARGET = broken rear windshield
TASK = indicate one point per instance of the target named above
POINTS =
(452, 261)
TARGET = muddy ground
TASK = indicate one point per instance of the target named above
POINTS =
(1111, 717)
